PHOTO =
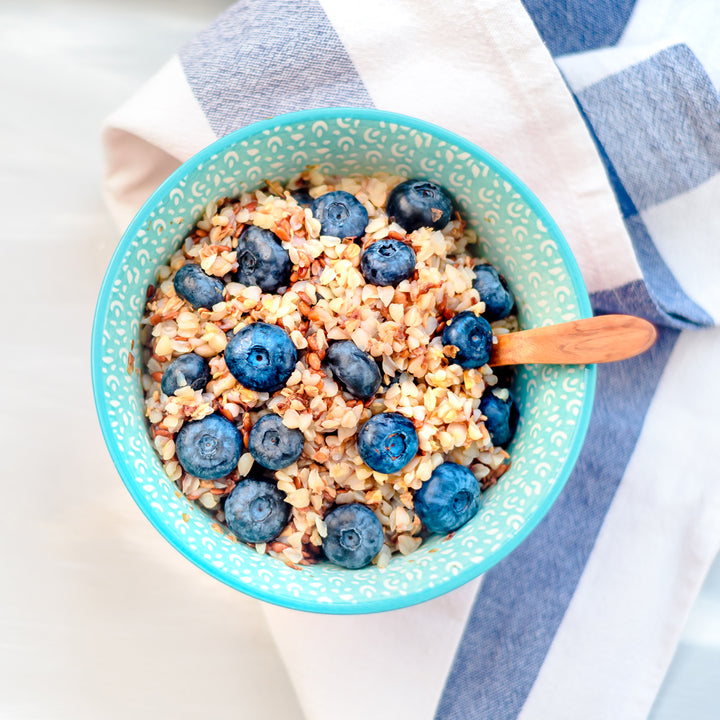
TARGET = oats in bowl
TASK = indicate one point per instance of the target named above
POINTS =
(362, 344)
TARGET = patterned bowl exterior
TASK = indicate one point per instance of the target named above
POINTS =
(519, 237)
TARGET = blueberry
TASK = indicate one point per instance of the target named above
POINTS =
(262, 260)
(193, 284)
(393, 380)
(356, 370)
(303, 198)
(273, 445)
(261, 357)
(354, 536)
(472, 335)
(387, 442)
(189, 369)
(387, 262)
(209, 448)
(502, 417)
(419, 203)
(256, 510)
(448, 499)
(494, 292)
(340, 214)
(505, 375)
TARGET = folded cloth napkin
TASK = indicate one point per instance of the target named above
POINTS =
(620, 139)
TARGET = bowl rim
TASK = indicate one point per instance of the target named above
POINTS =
(361, 606)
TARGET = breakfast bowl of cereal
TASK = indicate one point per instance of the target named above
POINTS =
(291, 360)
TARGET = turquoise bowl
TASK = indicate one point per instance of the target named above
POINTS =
(518, 236)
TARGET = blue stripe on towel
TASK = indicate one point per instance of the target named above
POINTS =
(659, 123)
(673, 309)
(660, 298)
(575, 25)
(523, 599)
(627, 206)
(265, 57)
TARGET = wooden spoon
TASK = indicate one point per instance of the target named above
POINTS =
(600, 339)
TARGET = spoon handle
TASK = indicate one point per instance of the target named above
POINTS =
(600, 339)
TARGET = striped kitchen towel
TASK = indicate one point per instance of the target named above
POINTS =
(609, 111)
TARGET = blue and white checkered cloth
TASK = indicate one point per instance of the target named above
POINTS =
(623, 147)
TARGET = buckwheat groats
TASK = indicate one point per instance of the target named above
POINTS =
(309, 306)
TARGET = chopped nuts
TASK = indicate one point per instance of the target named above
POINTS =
(327, 300)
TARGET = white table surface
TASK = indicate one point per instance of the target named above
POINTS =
(99, 616)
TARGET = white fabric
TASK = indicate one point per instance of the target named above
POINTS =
(661, 532)
(584, 69)
(653, 25)
(675, 485)
(147, 137)
(387, 665)
(514, 104)
(694, 22)
(685, 231)
(684, 227)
